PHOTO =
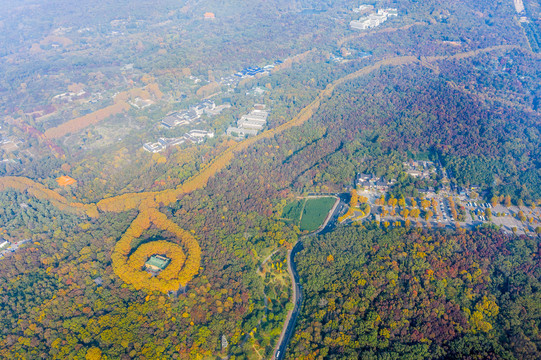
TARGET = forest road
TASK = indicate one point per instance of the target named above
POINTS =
(291, 319)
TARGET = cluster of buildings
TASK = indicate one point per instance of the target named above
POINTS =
(193, 137)
(250, 71)
(9, 144)
(186, 117)
(233, 80)
(254, 70)
(372, 182)
(373, 19)
(70, 96)
(250, 124)
(419, 169)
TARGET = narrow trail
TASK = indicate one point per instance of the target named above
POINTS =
(267, 259)
(302, 211)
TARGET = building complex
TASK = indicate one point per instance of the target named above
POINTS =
(194, 136)
(372, 20)
(190, 116)
(250, 124)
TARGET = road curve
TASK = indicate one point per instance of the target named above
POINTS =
(291, 319)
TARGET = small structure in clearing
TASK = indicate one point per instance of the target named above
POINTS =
(65, 181)
(157, 263)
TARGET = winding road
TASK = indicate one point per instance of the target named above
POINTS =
(152, 200)
(291, 319)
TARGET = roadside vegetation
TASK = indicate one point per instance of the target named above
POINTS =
(372, 293)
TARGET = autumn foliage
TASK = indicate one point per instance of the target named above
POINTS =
(82, 122)
(179, 272)
(353, 203)
(394, 290)
(39, 191)
(209, 89)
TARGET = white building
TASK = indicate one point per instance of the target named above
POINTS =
(193, 139)
(153, 147)
(203, 107)
(251, 123)
(217, 109)
(255, 119)
(180, 118)
(388, 12)
(240, 132)
(373, 20)
(165, 142)
(186, 117)
(368, 22)
(363, 8)
(258, 114)
(193, 136)
(201, 133)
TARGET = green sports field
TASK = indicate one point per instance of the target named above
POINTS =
(314, 213)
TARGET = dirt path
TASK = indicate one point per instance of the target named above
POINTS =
(302, 211)
(267, 259)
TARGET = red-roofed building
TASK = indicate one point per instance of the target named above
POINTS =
(65, 181)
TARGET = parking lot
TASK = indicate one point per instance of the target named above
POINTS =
(476, 213)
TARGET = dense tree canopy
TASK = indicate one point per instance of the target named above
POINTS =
(418, 295)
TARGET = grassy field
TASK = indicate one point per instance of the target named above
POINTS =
(314, 213)
(292, 211)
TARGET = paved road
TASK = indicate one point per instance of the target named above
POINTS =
(13, 248)
(291, 319)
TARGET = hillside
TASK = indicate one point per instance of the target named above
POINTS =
(432, 118)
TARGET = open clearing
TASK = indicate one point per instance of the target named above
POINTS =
(314, 213)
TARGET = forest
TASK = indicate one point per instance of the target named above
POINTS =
(448, 82)
(236, 221)
(490, 144)
(417, 294)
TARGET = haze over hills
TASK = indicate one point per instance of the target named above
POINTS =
(270, 179)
